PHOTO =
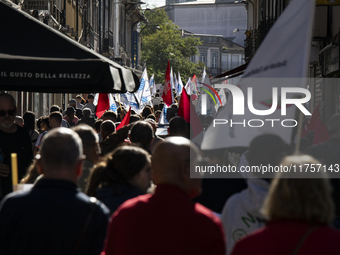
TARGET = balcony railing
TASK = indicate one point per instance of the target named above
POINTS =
(255, 38)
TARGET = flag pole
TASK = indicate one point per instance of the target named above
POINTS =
(299, 132)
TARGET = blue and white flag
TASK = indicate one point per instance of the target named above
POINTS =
(113, 106)
(143, 82)
(162, 118)
(129, 99)
(146, 96)
(153, 85)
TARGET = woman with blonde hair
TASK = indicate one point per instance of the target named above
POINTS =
(299, 209)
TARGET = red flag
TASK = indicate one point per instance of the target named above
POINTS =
(321, 132)
(126, 120)
(184, 106)
(167, 96)
(310, 125)
(187, 111)
(103, 104)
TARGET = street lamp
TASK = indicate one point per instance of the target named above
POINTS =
(236, 30)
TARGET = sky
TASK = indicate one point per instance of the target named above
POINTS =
(153, 3)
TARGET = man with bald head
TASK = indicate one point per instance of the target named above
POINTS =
(54, 217)
(167, 222)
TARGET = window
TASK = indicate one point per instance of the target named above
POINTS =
(214, 59)
(203, 57)
(192, 59)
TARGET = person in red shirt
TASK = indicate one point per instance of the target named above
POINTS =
(167, 222)
(299, 208)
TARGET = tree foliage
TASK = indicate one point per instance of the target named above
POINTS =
(162, 41)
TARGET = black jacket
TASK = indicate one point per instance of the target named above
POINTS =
(49, 218)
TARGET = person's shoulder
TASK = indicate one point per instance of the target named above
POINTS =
(21, 131)
(14, 198)
(133, 204)
(95, 203)
(329, 233)
(207, 214)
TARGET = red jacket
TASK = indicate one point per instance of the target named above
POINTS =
(282, 237)
(167, 222)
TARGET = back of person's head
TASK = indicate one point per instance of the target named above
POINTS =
(97, 125)
(29, 120)
(54, 108)
(87, 112)
(142, 133)
(43, 121)
(267, 149)
(151, 116)
(178, 127)
(72, 102)
(79, 97)
(90, 96)
(152, 123)
(109, 115)
(134, 118)
(122, 166)
(301, 196)
(61, 154)
(55, 119)
(172, 163)
(107, 128)
(334, 125)
(90, 141)
(70, 111)
(146, 112)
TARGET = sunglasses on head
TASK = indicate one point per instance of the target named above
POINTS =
(10, 112)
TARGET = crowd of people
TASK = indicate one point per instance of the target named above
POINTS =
(103, 188)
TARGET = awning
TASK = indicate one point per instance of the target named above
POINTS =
(238, 70)
(37, 58)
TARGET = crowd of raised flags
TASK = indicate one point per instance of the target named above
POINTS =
(148, 89)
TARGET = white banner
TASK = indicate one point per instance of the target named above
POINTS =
(280, 62)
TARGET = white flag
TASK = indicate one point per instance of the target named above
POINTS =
(175, 83)
(172, 79)
(223, 97)
(179, 85)
(188, 87)
(280, 62)
(172, 84)
(153, 85)
(203, 75)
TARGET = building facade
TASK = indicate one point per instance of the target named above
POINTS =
(211, 17)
